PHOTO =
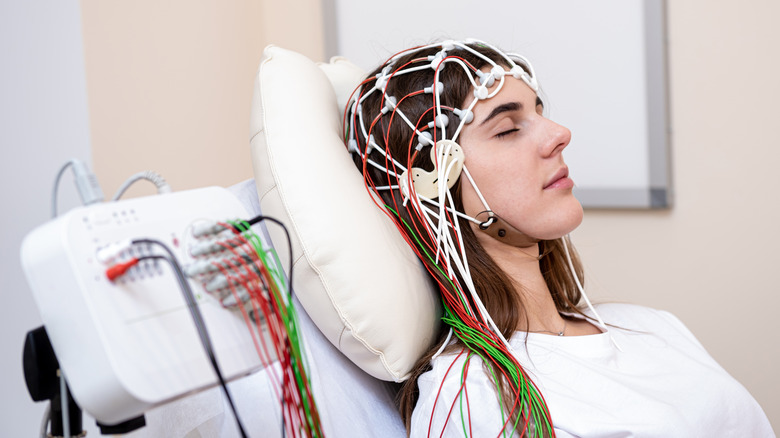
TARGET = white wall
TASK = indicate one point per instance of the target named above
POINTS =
(43, 123)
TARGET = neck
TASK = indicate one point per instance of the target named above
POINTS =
(522, 267)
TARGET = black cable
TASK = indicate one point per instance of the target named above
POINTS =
(197, 318)
(261, 218)
(258, 219)
(195, 310)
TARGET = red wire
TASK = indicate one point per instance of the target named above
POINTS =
(461, 308)
(438, 393)
(264, 355)
(457, 395)
(236, 269)
(288, 386)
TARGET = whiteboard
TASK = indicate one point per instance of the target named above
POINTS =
(600, 63)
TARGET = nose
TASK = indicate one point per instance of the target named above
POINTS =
(558, 137)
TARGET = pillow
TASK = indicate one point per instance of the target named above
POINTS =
(354, 274)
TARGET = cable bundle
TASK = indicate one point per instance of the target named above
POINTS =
(232, 264)
(424, 208)
(235, 267)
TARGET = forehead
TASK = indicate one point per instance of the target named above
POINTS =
(512, 90)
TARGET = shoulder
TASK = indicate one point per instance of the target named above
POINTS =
(632, 317)
(449, 375)
(450, 395)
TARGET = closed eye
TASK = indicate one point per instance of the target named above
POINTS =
(505, 133)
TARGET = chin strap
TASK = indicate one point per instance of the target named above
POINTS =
(499, 229)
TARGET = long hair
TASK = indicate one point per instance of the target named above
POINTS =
(390, 138)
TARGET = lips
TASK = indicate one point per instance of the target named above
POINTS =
(560, 179)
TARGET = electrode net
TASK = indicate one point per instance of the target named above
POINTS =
(421, 202)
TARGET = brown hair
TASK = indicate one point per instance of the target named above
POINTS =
(495, 289)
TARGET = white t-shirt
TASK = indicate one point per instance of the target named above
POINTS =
(662, 384)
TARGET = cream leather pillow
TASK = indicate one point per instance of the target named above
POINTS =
(353, 273)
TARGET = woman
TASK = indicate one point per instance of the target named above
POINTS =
(453, 138)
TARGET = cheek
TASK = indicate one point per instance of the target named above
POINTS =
(472, 205)
(506, 183)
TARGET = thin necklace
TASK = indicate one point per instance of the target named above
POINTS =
(558, 333)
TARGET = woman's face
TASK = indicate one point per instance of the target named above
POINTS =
(514, 155)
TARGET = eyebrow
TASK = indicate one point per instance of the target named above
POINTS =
(503, 108)
(507, 107)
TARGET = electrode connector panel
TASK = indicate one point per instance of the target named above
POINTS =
(129, 344)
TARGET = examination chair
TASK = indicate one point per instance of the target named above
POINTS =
(367, 310)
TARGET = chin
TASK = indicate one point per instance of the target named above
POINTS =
(562, 222)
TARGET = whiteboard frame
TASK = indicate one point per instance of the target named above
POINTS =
(658, 194)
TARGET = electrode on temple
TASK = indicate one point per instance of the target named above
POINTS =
(441, 121)
(467, 116)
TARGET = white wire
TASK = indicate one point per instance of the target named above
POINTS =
(45, 420)
(442, 186)
(56, 186)
(498, 87)
(457, 213)
(584, 295)
(149, 175)
(461, 264)
(437, 99)
(509, 60)
(476, 188)
(451, 210)
(474, 52)
(384, 154)
(408, 123)
(64, 400)
(463, 120)
(457, 263)
(413, 49)
(443, 346)
(436, 219)
(460, 236)
(359, 110)
(409, 70)
(380, 167)
(465, 67)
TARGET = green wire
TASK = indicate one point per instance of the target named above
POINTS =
(290, 321)
(529, 398)
(460, 395)
(430, 258)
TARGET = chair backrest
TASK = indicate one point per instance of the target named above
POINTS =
(353, 273)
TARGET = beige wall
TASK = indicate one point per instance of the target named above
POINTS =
(712, 259)
(170, 85)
